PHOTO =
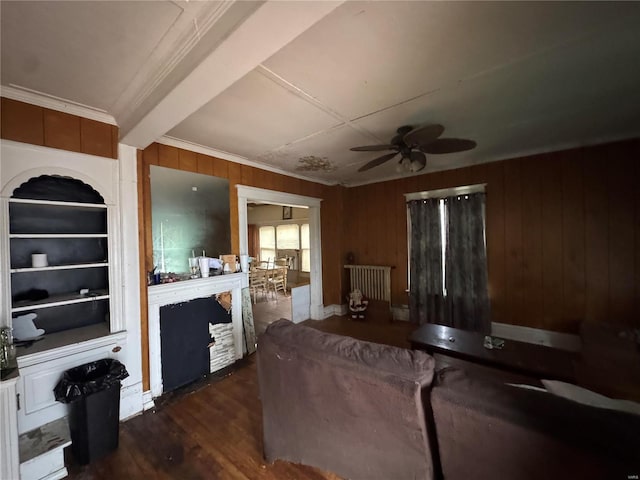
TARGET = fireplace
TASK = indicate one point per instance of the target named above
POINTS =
(228, 336)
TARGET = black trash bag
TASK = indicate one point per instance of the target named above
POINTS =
(79, 382)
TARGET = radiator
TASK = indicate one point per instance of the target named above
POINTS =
(373, 281)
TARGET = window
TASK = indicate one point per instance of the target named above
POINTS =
(267, 243)
(442, 208)
(447, 258)
(290, 236)
(443, 239)
(305, 250)
(441, 227)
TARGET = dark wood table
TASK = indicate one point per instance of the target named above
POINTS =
(518, 357)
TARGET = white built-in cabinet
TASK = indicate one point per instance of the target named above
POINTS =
(9, 459)
(90, 244)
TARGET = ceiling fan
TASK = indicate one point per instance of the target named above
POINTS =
(412, 144)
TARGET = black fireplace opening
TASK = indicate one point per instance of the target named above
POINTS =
(185, 339)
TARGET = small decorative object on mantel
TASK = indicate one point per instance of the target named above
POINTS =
(286, 213)
(230, 263)
(193, 265)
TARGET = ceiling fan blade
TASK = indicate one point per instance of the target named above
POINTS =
(373, 148)
(423, 135)
(448, 145)
(377, 161)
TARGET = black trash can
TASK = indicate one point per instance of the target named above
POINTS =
(93, 392)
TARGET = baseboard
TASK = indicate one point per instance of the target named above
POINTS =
(62, 473)
(130, 401)
(331, 310)
(400, 313)
(147, 400)
(548, 338)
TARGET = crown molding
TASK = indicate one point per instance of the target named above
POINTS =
(34, 97)
(389, 178)
(212, 152)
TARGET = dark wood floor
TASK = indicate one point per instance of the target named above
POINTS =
(267, 310)
(213, 429)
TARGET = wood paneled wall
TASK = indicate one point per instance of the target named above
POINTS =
(28, 123)
(563, 234)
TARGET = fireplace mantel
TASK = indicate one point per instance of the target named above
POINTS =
(170, 293)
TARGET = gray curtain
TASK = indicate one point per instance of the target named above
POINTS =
(425, 297)
(466, 263)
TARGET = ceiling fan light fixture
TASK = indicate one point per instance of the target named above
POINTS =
(416, 166)
(403, 166)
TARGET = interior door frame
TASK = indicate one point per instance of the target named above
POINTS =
(260, 195)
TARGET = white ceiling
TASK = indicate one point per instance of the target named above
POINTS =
(293, 85)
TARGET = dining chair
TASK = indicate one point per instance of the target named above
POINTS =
(278, 281)
(257, 282)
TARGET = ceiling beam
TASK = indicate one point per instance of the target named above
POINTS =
(266, 31)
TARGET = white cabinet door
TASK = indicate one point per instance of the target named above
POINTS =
(300, 303)
(38, 404)
(9, 462)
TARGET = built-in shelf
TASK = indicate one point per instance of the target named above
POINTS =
(66, 342)
(74, 235)
(54, 202)
(72, 266)
(58, 300)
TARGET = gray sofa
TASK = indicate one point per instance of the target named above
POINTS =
(351, 407)
(369, 411)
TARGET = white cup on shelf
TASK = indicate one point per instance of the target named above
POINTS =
(39, 260)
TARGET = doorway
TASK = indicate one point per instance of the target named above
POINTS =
(279, 248)
(313, 300)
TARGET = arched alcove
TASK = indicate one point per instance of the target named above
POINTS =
(57, 188)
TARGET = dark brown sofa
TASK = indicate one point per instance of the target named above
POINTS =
(368, 411)
(350, 407)
(490, 430)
